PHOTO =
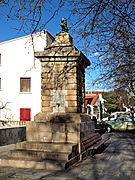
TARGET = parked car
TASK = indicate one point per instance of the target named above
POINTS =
(115, 115)
(121, 123)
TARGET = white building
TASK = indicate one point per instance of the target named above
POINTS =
(20, 76)
(94, 103)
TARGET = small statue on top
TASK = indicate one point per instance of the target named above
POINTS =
(64, 24)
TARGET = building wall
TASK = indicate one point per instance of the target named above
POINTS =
(95, 109)
(17, 61)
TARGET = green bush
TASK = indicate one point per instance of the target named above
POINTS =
(105, 115)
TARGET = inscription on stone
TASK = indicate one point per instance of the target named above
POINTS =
(58, 100)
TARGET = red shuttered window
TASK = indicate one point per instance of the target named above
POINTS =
(25, 114)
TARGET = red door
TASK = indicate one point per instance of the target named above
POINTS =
(25, 114)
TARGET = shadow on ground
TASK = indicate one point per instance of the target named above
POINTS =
(115, 161)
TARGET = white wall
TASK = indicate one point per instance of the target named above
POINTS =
(17, 60)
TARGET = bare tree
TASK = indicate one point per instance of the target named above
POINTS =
(7, 113)
(31, 14)
(106, 27)
(3, 105)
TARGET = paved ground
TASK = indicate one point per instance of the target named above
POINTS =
(116, 162)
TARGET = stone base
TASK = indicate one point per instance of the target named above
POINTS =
(37, 155)
(62, 127)
(53, 144)
(57, 132)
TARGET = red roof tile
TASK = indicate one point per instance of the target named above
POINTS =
(93, 97)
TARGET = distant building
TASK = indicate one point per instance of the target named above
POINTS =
(20, 76)
(93, 104)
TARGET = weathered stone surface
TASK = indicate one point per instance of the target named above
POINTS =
(48, 164)
(58, 101)
(45, 98)
(58, 147)
(72, 92)
(58, 139)
(63, 68)
(72, 109)
(72, 103)
(45, 103)
(65, 128)
(38, 155)
(71, 98)
(46, 109)
(59, 117)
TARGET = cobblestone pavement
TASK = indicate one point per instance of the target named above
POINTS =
(116, 162)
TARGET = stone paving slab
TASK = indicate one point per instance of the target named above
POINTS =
(116, 162)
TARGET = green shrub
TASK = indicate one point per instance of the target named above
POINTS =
(105, 115)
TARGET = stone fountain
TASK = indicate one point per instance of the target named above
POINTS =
(53, 138)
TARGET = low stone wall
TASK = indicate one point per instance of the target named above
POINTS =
(12, 135)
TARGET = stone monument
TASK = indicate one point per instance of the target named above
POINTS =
(53, 138)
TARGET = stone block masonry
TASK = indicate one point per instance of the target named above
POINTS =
(63, 128)
(63, 76)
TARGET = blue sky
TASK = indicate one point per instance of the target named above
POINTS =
(8, 31)
(8, 28)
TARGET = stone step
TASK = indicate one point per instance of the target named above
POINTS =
(39, 155)
(38, 164)
(59, 147)
(47, 164)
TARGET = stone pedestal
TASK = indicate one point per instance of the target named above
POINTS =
(59, 128)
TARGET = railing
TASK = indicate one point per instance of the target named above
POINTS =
(10, 123)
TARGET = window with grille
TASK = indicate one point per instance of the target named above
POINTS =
(25, 84)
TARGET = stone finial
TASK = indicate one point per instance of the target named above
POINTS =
(64, 24)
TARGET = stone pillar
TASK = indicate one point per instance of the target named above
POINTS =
(63, 94)
(63, 76)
